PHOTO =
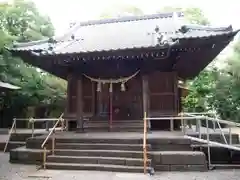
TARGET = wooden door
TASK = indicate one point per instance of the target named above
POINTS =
(127, 105)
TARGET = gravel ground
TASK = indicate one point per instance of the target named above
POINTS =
(25, 172)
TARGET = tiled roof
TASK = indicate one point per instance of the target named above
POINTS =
(121, 33)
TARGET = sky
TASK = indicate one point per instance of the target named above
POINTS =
(63, 12)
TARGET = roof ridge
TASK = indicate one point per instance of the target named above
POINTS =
(120, 19)
(23, 44)
(131, 18)
(102, 21)
(208, 28)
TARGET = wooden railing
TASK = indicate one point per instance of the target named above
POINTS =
(51, 133)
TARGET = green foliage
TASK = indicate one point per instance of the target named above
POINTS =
(21, 21)
(121, 10)
(226, 100)
(192, 15)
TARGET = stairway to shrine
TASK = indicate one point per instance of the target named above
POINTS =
(117, 155)
(112, 151)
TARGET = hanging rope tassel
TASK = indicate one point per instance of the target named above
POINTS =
(123, 86)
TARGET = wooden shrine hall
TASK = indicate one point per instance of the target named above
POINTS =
(117, 69)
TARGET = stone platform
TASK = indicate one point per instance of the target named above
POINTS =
(120, 152)
(117, 151)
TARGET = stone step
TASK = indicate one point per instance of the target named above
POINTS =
(15, 144)
(36, 142)
(170, 140)
(27, 156)
(113, 129)
(2, 145)
(96, 160)
(100, 153)
(94, 167)
(100, 140)
(105, 146)
(22, 136)
(171, 147)
(179, 157)
(4, 131)
(179, 161)
(113, 126)
(136, 123)
(182, 168)
(115, 121)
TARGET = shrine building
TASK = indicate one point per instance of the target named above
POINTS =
(117, 69)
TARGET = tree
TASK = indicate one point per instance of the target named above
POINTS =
(21, 21)
(226, 99)
(201, 88)
(121, 11)
(192, 15)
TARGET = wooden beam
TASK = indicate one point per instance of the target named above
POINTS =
(80, 103)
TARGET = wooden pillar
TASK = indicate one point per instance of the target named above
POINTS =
(99, 102)
(68, 101)
(80, 104)
(67, 108)
(145, 96)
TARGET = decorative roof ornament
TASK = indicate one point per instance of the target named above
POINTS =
(163, 40)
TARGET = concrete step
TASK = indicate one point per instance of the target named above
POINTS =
(4, 131)
(182, 168)
(117, 123)
(22, 136)
(94, 167)
(96, 160)
(36, 142)
(171, 147)
(100, 153)
(183, 157)
(113, 129)
(2, 145)
(113, 126)
(23, 155)
(179, 160)
(15, 144)
(100, 140)
(104, 146)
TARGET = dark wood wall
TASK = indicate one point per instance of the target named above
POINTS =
(88, 96)
(162, 95)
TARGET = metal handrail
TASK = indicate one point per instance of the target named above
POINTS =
(52, 132)
(145, 143)
(9, 135)
(30, 120)
(195, 116)
(53, 129)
